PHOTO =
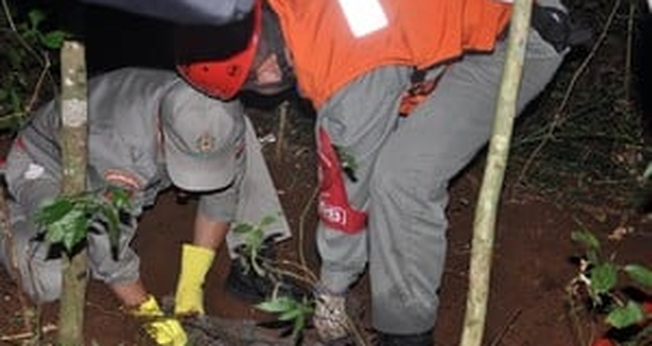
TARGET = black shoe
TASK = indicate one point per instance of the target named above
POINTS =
(245, 283)
(422, 339)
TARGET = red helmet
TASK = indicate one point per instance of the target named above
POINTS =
(222, 77)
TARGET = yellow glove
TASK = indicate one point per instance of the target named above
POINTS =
(166, 331)
(195, 262)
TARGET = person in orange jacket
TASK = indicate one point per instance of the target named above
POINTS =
(405, 91)
(356, 62)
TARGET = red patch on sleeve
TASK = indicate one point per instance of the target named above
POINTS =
(122, 178)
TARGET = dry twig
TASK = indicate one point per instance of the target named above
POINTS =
(628, 59)
(503, 331)
(558, 118)
(28, 335)
(283, 110)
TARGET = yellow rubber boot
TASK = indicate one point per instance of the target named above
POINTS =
(195, 262)
(165, 331)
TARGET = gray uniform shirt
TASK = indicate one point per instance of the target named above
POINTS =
(123, 150)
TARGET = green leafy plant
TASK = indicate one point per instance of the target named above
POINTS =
(600, 280)
(25, 64)
(294, 310)
(254, 243)
(289, 309)
(68, 219)
(51, 39)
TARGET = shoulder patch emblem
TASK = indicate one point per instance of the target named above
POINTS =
(122, 178)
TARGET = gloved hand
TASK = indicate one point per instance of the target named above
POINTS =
(166, 331)
(195, 262)
(330, 318)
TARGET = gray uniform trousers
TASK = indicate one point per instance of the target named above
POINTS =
(404, 169)
(122, 138)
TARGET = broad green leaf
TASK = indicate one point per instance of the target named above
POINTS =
(277, 305)
(267, 220)
(243, 228)
(640, 274)
(299, 325)
(592, 257)
(54, 39)
(67, 219)
(603, 277)
(625, 316)
(36, 17)
(290, 314)
(255, 239)
(54, 211)
(586, 238)
(75, 235)
(300, 321)
(55, 232)
(288, 309)
(68, 230)
(120, 198)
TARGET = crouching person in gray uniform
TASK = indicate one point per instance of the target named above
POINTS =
(147, 130)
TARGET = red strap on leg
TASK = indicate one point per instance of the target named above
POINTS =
(334, 208)
(419, 90)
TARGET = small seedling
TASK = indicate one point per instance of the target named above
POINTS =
(599, 280)
(290, 310)
(254, 243)
(67, 219)
(283, 273)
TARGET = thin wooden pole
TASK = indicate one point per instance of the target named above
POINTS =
(487, 204)
(74, 134)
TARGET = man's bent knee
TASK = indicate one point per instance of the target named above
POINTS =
(39, 276)
(42, 280)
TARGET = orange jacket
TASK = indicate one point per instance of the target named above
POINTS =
(420, 33)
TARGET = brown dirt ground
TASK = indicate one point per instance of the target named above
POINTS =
(531, 265)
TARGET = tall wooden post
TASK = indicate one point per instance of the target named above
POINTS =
(74, 132)
(487, 205)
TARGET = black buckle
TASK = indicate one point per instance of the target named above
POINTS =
(556, 27)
